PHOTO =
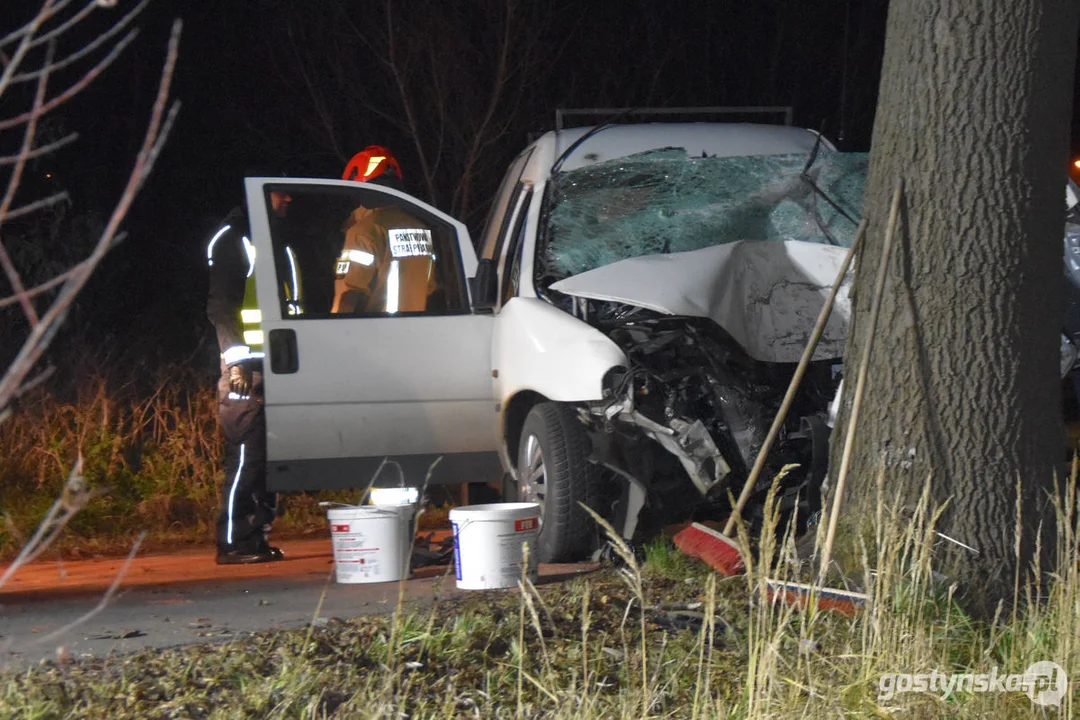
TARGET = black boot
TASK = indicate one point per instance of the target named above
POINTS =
(265, 546)
(248, 553)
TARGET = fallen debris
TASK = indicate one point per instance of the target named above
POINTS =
(117, 636)
(844, 602)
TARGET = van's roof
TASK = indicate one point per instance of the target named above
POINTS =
(719, 139)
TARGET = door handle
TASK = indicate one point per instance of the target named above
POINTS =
(284, 357)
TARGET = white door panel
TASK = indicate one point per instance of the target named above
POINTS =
(427, 391)
(375, 360)
(360, 386)
(333, 431)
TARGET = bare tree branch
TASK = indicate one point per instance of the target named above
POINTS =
(155, 150)
(13, 185)
(48, 10)
(406, 103)
(39, 151)
(24, 46)
(29, 385)
(73, 498)
(42, 333)
(67, 24)
(454, 115)
(76, 88)
(461, 193)
(43, 287)
(36, 205)
(88, 48)
(322, 111)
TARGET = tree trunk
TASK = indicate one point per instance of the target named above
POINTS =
(973, 115)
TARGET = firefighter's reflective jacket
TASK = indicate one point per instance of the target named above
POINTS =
(231, 305)
(387, 263)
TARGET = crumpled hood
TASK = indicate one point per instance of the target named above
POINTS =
(765, 294)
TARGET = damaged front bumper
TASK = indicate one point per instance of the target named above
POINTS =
(689, 442)
(707, 407)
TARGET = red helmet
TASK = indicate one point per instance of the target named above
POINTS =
(370, 163)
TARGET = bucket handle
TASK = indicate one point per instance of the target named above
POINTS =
(382, 511)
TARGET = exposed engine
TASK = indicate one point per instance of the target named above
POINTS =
(692, 390)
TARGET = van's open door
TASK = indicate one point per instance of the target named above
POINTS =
(345, 390)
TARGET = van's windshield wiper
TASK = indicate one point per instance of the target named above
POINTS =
(592, 131)
(805, 175)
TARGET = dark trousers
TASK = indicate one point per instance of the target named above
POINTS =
(247, 509)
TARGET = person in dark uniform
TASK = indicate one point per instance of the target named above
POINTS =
(247, 508)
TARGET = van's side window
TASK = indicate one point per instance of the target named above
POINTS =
(502, 208)
(512, 273)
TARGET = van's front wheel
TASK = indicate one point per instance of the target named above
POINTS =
(553, 470)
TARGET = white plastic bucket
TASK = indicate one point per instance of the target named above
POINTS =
(489, 542)
(401, 500)
(368, 545)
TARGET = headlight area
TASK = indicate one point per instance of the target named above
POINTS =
(707, 407)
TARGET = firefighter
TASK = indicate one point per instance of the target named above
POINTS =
(387, 261)
(247, 507)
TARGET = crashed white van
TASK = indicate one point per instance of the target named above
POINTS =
(641, 297)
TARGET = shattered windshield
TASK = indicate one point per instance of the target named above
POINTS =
(665, 201)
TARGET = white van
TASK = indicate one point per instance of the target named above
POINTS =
(641, 297)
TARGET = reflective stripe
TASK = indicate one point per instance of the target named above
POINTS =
(232, 495)
(392, 288)
(249, 248)
(213, 240)
(235, 354)
(235, 396)
(292, 268)
(373, 164)
(253, 337)
(251, 316)
(358, 256)
(239, 353)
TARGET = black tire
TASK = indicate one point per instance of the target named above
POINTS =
(567, 532)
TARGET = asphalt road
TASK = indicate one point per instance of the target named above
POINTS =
(183, 598)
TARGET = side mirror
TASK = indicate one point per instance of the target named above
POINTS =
(485, 286)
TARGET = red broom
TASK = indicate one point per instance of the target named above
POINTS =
(719, 550)
(711, 546)
(844, 602)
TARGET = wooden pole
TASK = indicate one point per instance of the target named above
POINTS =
(860, 384)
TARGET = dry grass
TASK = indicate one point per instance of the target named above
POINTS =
(621, 644)
(152, 455)
(155, 456)
(616, 645)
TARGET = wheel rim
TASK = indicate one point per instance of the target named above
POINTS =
(533, 484)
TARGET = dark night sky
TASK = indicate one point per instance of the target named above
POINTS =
(235, 113)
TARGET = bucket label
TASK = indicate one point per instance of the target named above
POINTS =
(362, 562)
(512, 550)
(526, 524)
(339, 528)
(457, 549)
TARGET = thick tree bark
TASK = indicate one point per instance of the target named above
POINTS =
(973, 115)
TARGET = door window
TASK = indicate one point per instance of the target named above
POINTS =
(358, 252)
